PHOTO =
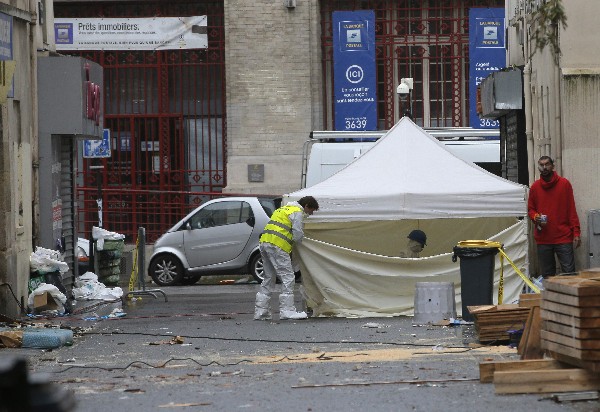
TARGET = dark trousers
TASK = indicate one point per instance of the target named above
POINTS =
(547, 263)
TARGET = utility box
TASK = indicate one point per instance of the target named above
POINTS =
(594, 238)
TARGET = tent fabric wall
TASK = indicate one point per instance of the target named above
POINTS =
(391, 236)
(343, 282)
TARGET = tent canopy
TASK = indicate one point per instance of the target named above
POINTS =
(408, 174)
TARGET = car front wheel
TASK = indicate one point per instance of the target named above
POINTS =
(166, 270)
(256, 268)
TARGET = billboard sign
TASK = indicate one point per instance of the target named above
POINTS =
(155, 33)
(354, 71)
(487, 54)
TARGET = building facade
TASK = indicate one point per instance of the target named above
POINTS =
(23, 35)
(562, 101)
(232, 119)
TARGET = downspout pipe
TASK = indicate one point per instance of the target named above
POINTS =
(558, 132)
(528, 116)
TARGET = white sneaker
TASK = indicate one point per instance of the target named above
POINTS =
(292, 314)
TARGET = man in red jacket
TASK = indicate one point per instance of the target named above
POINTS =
(551, 206)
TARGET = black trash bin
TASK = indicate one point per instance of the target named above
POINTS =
(477, 261)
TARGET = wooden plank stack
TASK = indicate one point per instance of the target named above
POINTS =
(569, 329)
(537, 376)
(530, 343)
(492, 322)
(570, 313)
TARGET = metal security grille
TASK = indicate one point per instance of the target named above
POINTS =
(426, 40)
(67, 197)
(166, 114)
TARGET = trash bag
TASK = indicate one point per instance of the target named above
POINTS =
(473, 252)
(45, 261)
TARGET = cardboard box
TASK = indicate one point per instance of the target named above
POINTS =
(45, 301)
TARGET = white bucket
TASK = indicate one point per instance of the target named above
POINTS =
(434, 301)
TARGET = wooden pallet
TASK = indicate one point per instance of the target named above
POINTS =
(570, 313)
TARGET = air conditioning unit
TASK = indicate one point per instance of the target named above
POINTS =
(290, 4)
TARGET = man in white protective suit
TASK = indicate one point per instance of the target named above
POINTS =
(283, 230)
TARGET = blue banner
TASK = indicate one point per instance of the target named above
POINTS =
(487, 54)
(354, 71)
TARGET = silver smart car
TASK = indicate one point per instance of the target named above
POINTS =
(220, 237)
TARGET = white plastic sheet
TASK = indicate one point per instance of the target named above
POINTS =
(87, 287)
(100, 235)
(52, 290)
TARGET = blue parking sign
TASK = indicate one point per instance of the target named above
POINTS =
(97, 148)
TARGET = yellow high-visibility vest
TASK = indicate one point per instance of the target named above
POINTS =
(279, 229)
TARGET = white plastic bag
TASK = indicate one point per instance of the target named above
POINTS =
(88, 288)
(47, 261)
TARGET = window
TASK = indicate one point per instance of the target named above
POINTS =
(221, 213)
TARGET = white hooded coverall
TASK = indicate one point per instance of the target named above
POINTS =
(278, 262)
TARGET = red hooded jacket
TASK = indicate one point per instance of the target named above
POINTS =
(555, 200)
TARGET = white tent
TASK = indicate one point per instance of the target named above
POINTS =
(407, 180)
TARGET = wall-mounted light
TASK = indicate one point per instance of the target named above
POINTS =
(290, 4)
(403, 90)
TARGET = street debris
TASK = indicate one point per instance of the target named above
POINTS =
(375, 325)
(87, 287)
(116, 313)
(184, 405)
(226, 373)
(175, 340)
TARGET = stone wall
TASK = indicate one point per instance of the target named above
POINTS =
(273, 91)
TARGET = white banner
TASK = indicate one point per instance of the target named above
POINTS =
(158, 33)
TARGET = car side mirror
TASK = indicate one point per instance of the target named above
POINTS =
(251, 221)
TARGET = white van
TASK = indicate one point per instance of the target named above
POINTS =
(326, 152)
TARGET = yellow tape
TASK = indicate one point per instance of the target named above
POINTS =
(134, 271)
(498, 245)
(525, 278)
(501, 282)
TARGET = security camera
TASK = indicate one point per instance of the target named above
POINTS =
(403, 89)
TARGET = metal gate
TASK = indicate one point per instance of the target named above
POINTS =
(426, 40)
(166, 115)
